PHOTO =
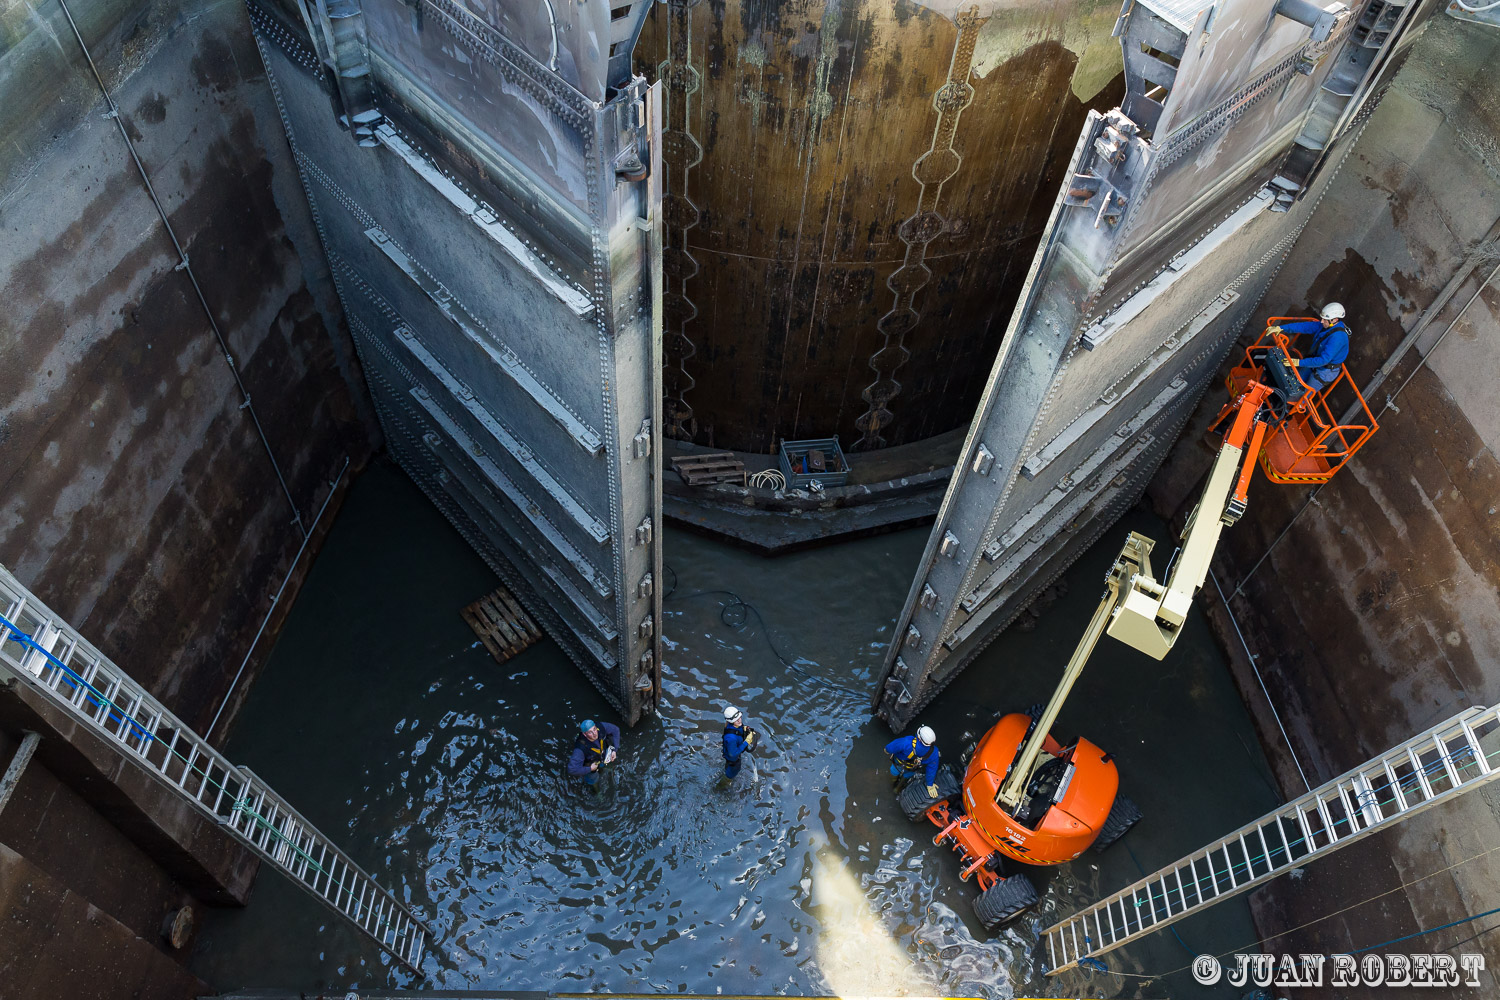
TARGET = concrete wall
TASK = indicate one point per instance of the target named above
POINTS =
(137, 499)
(80, 930)
(1377, 615)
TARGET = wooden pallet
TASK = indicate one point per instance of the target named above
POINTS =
(501, 624)
(709, 467)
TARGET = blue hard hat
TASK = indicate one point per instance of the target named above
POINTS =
(585, 725)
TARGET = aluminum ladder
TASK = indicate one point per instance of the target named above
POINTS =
(49, 656)
(1441, 764)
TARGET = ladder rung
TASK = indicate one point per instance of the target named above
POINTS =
(1328, 830)
(92, 689)
(1390, 775)
(1372, 796)
(1447, 759)
(1421, 773)
(1476, 748)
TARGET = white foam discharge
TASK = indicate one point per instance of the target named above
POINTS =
(904, 890)
(857, 954)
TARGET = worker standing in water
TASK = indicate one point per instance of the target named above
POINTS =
(914, 755)
(739, 739)
(1324, 358)
(597, 744)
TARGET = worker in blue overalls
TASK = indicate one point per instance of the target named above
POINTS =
(597, 744)
(739, 739)
(914, 755)
(1322, 362)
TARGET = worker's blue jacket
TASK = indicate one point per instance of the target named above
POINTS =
(586, 751)
(734, 741)
(1329, 348)
(911, 754)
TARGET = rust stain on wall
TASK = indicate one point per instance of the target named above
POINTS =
(137, 500)
(808, 118)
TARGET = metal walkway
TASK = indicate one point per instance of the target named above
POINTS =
(1441, 764)
(45, 653)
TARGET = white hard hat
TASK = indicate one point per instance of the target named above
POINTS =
(926, 735)
(731, 713)
(1333, 311)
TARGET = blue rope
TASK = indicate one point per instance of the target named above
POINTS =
(76, 679)
(1408, 937)
(1171, 928)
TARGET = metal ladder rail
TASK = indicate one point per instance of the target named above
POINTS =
(1430, 768)
(1356, 795)
(47, 654)
(1248, 861)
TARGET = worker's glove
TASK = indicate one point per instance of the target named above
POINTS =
(1273, 329)
(594, 767)
(1289, 362)
(932, 791)
(751, 738)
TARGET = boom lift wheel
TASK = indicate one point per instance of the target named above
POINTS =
(1004, 902)
(1122, 816)
(913, 798)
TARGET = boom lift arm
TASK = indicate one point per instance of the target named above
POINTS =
(1151, 614)
(1137, 610)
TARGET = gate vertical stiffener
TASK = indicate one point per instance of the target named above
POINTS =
(487, 188)
(1177, 210)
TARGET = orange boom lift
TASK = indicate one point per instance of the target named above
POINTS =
(1026, 796)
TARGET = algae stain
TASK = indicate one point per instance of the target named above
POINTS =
(1084, 30)
(820, 102)
(752, 54)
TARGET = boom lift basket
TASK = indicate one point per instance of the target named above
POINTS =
(1305, 442)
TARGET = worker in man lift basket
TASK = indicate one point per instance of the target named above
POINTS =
(1323, 360)
(597, 744)
(739, 739)
(914, 755)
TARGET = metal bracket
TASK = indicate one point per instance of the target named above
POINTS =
(13, 771)
(949, 546)
(642, 440)
(929, 597)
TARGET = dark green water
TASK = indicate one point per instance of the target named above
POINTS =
(440, 771)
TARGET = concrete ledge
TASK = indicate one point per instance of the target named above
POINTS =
(894, 488)
(188, 846)
(772, 533)
(57, 944)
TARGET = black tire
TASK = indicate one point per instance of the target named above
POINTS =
(1004, 902)
(1122, 816)
(913, 798)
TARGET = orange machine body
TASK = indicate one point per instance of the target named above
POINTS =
(1063, 832)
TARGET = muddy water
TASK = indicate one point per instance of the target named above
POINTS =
(441, 771)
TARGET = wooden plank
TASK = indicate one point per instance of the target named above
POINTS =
(518, 617)
(708, 456)
(518, 614)
(501, 624)
(496, 617)
(723, 463)
(702, 479)
(481, 628)
(707, 467)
